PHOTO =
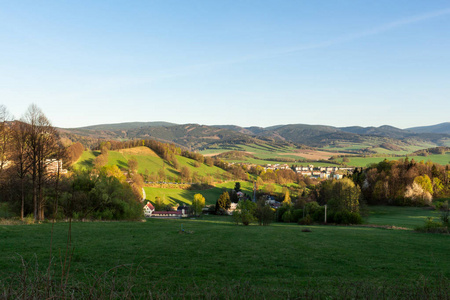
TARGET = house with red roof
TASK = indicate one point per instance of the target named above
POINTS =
(148, 210)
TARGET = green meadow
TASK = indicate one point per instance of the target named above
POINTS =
(357, 161)
(214, 258)
(177, 195)
(147, 160)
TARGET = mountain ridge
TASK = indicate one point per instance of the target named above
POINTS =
(199, 136)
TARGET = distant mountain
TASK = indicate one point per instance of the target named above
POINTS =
(197, 136)
(385, 130)
(443, 128)
(188, 135)
(128, 125)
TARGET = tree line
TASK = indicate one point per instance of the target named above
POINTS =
(34, 181)
(403, 182)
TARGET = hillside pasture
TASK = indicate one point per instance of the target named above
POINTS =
(175, 194)
(182, 196)
(358, 161)
(310, 155)
(147, 160)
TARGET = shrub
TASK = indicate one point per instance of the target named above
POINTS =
(244, 212)
(312, 207)
(280, 212)
(306, 220)
(264, 213)
(346, 217)
(287, 217)
(431, 226)
(319, 215)
(297, 214)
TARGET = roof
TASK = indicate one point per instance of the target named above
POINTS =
(149, 205)
(172, 212)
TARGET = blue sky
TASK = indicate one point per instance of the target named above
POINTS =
(260, 63)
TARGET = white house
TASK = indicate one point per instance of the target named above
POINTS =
(148, 210)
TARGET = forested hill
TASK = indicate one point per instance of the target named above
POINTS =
(443, 128)
(196, 136)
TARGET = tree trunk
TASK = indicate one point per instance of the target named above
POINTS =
(22, 209)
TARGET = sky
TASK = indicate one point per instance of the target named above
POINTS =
(246, 63)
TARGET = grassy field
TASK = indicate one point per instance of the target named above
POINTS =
(177, 195)
(263, 154)
(221, 260)
(405, 149)
(408, 217)
(147, 160)
(364, 161)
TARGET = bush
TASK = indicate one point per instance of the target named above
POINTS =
(306, 220)
(312, 207)
(287, 217)
(244, 212)
(431, 226)
(319, 215)
(346, 217)
(297, 214)
(264, 213)
(280, 212)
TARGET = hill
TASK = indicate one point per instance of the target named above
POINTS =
(150, 164)
(127, 126)
(201, 137)
(442, 128)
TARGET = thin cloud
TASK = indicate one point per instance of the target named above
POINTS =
(342, 39)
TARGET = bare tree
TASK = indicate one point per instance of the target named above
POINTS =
(42, 141)
(5, 135)
(19, 134)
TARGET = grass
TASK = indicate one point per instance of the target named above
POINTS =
(358, 161)
(408, 217)
(147, 160)
(178, 195)
(405, 148)
(272, 262)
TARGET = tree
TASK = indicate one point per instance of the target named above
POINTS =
(159, 204)
(244, 212)
(259, 182)
(344, 196)
(100, 161)
(5, 136)
(42, 144)
(21, 163)
(133, 165)
(263, 212)
(74, 152)
(175, 163)
(198, 203)
(237, 187)
(223, 203)
(162, 174)
(287, 198)
(269, 189)
(113, 171)
(185, 173)
(425, 183)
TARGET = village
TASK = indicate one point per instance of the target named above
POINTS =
(312, 171)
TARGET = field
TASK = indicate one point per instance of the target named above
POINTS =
(218, 259)
(406, 149)
(265, 154)
(364, 161)
(147, 160)
(177, 195)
